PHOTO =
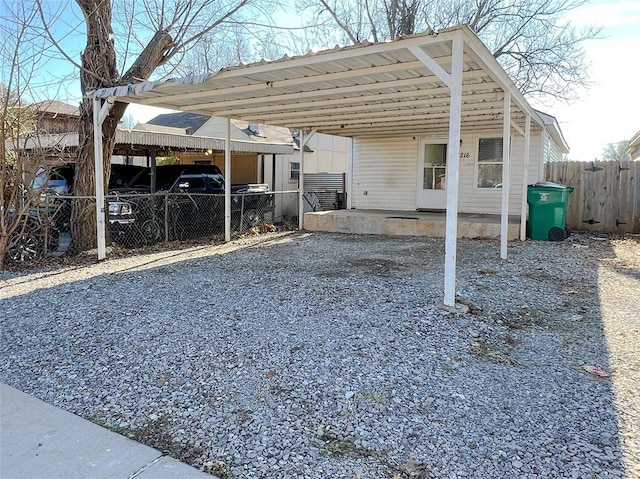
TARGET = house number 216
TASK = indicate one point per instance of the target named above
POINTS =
(465, 155)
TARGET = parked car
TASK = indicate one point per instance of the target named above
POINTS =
(192, 207)
(55, 186)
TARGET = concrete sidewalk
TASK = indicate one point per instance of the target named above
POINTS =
(38, 440)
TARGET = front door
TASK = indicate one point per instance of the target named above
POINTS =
(432, 163)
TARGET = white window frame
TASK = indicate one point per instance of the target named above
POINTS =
(293, 179)
(476, 174)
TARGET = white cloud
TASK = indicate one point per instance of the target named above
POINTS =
(608, 14)
(143, 113)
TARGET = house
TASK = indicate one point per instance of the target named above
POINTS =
(56, 117)
(324, 166)
(435, 123)
(633, 149)
(142, 145)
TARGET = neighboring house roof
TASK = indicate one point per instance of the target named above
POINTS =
(191, 122)
(634, 147)
(554, 129)
(163, 141)
(56, 108)
(212, 126)
(159, 129)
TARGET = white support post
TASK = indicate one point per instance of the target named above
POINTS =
(452, 172)
(350, 175)
(506, 174)
(525, 178)
(101, 228)
(227, 180)
(301, 184)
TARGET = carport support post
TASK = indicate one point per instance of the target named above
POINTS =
(154, 181)
(453, 160)
(525, 177)
(227, 180)
(301, 183)
(99, 114)
(506, 174)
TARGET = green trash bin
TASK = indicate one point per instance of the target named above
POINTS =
(548, 203)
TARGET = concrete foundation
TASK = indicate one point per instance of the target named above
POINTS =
(407, 223)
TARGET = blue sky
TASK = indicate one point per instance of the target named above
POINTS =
(608, 112)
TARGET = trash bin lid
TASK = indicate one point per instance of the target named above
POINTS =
(550, 184)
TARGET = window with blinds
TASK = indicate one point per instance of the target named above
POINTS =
(489, 165)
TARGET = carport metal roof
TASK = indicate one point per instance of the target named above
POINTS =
(379, 90)
(423, 85)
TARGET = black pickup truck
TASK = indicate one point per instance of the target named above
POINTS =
(192, 207)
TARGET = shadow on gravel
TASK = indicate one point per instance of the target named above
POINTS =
(326, 355)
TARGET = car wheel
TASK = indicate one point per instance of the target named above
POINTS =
(253, 217)
(26, 247)
(150, 232)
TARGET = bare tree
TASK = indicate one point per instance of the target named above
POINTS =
(616, 151)
(127, 42)
(21, 53)
(541, 52)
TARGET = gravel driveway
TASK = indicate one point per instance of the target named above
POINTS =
(296, 355)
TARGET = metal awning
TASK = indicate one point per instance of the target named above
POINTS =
(382, 89)
(424, 85)
(131, 141)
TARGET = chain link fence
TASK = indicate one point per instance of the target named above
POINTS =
(143, 220)
(140, 220)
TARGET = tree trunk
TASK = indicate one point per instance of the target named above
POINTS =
(99, 71)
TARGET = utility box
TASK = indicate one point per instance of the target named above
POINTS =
(548, 202)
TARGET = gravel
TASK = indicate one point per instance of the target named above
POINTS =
(304, 355)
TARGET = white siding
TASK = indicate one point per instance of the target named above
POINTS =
(384, 173)
(487, 200)
(216, 127)
(552, 150)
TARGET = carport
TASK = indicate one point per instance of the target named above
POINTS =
(433, 83)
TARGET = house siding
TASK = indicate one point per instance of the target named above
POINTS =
(385, 174)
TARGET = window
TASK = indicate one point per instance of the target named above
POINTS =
(489, 163)
(294, 170)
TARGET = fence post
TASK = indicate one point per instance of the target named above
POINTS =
(242, 214)
(166, 217)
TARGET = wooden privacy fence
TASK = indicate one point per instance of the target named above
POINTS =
(606, 196)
